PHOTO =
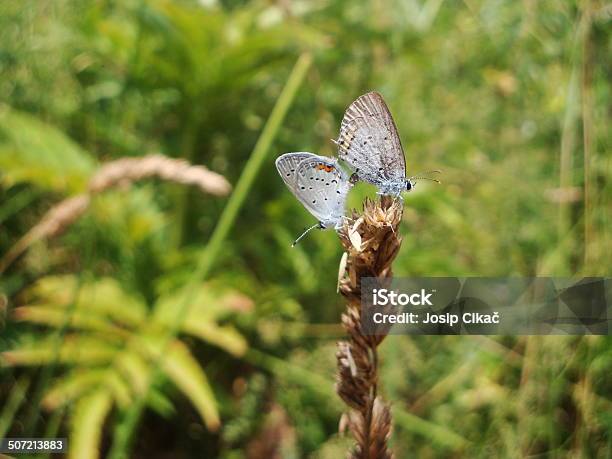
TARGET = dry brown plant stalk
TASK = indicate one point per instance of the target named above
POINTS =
(125, 171)
(54, 222)
(122, 172)
(372, 242)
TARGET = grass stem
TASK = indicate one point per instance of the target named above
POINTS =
(125, 429)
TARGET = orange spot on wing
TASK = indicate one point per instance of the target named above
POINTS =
(324, 167)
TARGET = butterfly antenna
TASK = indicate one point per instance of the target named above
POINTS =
(317, 225)
(426, 178)
(421, 177)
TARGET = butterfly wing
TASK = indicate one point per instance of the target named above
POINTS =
(318, 183)
(287, 165)
(322, 186)
(369, 142)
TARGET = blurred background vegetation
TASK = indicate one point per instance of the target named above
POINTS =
(510, 99)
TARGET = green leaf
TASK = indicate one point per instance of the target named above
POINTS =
(105, 296)
(184, 370)
(119, 388)
(86, 426)
(36, 152)
(210, 304)
(71, 387)
(73, 350)
(211, 301)
(225, 337)
(55, 317)
(160, 404)
(134, 368)
(12, 403)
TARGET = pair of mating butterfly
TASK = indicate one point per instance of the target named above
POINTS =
(369, 144)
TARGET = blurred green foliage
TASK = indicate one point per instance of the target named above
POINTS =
(510, 99)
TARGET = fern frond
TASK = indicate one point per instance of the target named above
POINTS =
(87, 423)
(185, 372)
(74, 350)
